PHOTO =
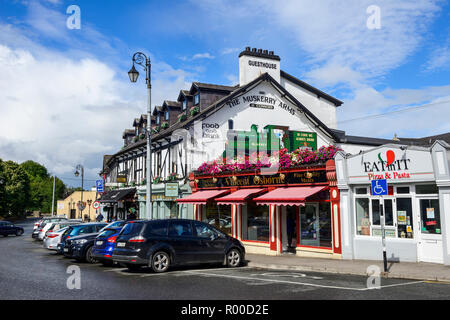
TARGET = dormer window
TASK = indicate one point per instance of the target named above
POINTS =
(158, 120)
(197, 99)
(166, 115)
(184, 104)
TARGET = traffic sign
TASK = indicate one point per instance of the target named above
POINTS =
(81, 205)
(96, 205)
(379, 187)
(99, 184)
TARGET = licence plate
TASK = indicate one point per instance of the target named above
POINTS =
(66, 249)
(99, 243)
(121, 244)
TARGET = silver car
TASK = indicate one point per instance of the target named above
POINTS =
(55, 226)
(52, 238)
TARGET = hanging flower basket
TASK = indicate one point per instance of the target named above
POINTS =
(182, 117)
(164, 125)
(194, 110)
(157, 180)
(172, 176)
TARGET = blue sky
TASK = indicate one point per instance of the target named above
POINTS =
(65, 97)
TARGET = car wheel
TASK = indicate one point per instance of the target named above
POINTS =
(160, 262)
(234, 258)
(19, 232)
(89, 257)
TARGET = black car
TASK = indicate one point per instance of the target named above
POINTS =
(80, 247)
(164, 243)
(7, 228)
(77, 230)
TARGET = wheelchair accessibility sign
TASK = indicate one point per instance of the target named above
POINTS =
(379, 188)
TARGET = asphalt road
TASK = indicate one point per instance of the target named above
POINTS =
(28, 271)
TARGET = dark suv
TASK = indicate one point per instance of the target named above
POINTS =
(163, 243)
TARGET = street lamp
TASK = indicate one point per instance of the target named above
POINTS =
(77, 173)
(89, 201)
(142, 60)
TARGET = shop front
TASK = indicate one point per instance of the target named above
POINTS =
(293, 210)
(164, 196)
(119, 204)
(417, 207)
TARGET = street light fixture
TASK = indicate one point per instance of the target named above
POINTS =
(77, 173)
(142, 60)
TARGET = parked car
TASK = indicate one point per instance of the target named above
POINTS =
(161, 244)
(42, 223)
(56, 226)
(78, 229)
(104, 245)
(7, 228)
(50, 219)
(50, 226)
(52, 238)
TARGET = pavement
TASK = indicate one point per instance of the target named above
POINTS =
(400, 270)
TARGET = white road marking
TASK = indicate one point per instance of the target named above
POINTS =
(298, 283)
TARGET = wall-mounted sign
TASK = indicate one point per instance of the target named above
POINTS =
(262, 64)
(171, 190)
(300, 139)
(260, 180)
(121, 178)
(210, 130)
(392, 164)
(261, 101)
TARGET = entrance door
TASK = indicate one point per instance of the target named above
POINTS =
(309, 225)
(430, 238)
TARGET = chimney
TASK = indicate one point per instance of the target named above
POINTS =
(254, 62)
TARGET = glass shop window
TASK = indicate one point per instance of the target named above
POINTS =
(426, 189)
(218, 216)
(257, 223)
(402, 190)
(388, 212)
(361, 191)
(404, 218)
(430, 218)
(362, 217)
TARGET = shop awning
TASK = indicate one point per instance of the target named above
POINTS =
(294, 196)
(117, 195)
(239, 196)
(201, 197)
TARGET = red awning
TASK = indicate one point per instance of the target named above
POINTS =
(239, 196)
(294, 196)
(201, 197)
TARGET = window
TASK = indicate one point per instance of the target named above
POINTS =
(166, 115)
(197, 99)
(426, 189)
(376, 212)
(203, 230)
(361, 191)
(184, 104)
(403, 190)
(362, 217)
(430, 218)
(157, 228)
(218, 216)
(180, 229)
(404, 217)
(158, 119)
(257, 223)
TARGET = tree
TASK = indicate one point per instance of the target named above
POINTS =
(41, 187)
(17, 189)
(2, 189)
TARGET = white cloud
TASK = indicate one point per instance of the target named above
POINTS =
(439, 60)
(230, 50)
(205, 55)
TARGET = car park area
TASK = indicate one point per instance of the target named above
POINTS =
(33, 272)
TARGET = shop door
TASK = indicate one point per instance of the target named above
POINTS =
(309, 225)
(430, 237)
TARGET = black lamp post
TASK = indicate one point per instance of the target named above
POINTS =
(77, 173)
(142, 60)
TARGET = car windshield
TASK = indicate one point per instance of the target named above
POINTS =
(116, 224)
(131, 229)
(107, 233)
